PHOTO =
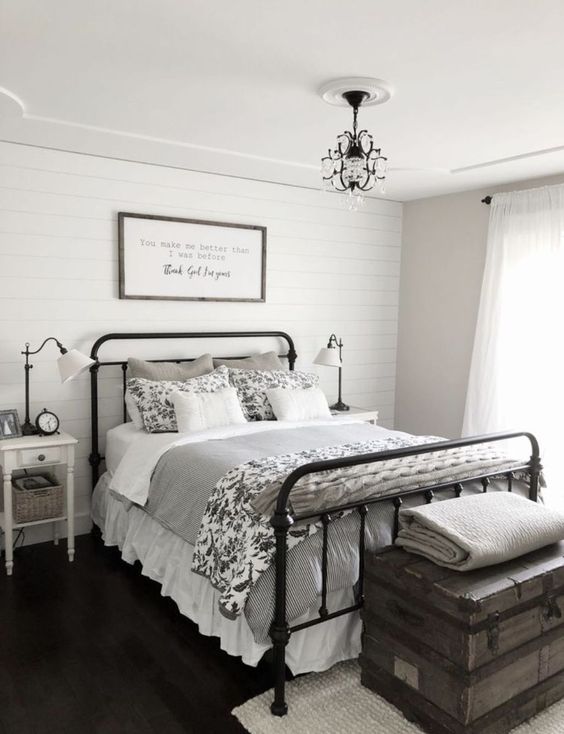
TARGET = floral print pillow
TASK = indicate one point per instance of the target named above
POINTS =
(152, 397)
(252, 385)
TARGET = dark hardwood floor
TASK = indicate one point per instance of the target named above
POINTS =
(93, 647)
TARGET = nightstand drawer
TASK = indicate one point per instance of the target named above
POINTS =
(37, 457)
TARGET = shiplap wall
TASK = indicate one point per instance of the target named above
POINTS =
(328, 270)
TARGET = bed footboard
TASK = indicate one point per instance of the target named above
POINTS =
(283, 519)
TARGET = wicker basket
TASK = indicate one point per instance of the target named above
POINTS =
(30, 505)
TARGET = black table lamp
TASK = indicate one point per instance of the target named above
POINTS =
(332, 356)
(71, 363)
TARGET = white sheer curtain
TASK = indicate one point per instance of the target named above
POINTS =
(517, 373)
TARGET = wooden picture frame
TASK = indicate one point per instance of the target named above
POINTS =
(171, 258)
(10, 424)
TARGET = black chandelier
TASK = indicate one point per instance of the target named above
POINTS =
(355, 165)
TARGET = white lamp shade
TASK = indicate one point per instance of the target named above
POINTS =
(329, 357)
(72, 363)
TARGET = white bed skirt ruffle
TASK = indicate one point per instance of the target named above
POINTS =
(167, 559)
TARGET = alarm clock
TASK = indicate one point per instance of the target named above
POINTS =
(47, 423)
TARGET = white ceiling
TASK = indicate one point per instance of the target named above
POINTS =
(231, 85)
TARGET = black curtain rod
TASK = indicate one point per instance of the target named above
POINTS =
(487, 200)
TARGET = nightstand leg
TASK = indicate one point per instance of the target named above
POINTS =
(8, 520)
(70, 512)
(55, 533)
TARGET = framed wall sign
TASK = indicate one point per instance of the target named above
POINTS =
(190, 259)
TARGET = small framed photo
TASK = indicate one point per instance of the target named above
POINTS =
(9, 424)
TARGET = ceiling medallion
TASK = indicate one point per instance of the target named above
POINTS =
(355, 165)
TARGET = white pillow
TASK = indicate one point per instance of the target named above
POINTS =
(200, 411)
(298, 404)
(133, 411)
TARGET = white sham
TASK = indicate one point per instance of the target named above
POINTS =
(201, 411)
(298, 404)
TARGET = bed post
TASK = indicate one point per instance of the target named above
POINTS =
(535, 470)
(534, 465)
(292, 354)
(94, 459)
(281, 521)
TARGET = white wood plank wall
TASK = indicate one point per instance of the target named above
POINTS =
(328, 270)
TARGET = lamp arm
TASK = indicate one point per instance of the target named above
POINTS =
(49, 338)
(337, 342)
(332, 340)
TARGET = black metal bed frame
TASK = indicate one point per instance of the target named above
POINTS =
(283, 517)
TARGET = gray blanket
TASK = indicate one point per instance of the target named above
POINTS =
(186, 476)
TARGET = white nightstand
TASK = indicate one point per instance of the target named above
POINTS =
(368, 416)
(33, 452)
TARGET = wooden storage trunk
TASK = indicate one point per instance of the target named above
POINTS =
(465, 653)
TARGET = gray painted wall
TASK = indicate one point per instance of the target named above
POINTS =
(443, 255)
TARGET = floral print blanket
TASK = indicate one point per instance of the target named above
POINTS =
(235, 543)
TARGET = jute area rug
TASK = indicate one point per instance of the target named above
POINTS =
(335, 701)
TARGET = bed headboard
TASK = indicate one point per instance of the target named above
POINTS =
(95, 458)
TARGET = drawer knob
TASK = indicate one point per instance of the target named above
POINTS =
(41, 457)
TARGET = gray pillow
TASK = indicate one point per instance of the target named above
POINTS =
(266, 361)
(139, 368)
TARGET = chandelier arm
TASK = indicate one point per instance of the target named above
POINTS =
(370, 150)
(343, 183)
(365, 186)
(365, 134)
(334, 156)
(348, 136)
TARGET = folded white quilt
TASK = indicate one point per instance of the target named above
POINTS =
(480, 530)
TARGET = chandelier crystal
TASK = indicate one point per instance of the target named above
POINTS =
(355, 165)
